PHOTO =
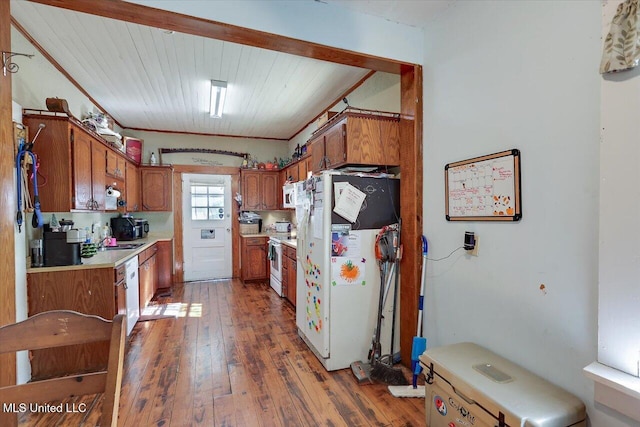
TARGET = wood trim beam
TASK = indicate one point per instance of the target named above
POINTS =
(411, 118)
(7, 213)
(158, 18)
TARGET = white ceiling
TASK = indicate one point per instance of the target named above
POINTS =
(146, 78)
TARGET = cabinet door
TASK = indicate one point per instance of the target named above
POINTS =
(317, 154)
(146, 276)
(292, 288)
(115, 165)
(156, 188)
(302, 170)
(270, 191)
(254, 261)
(164, 260)
(251, 197)
(334, 148)
(285, 276)
(82, 187)
(120, 291)
(98, 165)
(132, 187)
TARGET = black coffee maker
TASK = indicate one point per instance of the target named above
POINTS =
(58, 252)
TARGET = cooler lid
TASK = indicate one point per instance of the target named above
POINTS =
(501, 386)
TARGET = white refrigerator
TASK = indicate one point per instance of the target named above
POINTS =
(338, 277)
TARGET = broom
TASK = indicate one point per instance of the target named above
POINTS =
(419, 342)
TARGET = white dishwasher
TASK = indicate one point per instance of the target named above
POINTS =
(132, 292)
(468, 385)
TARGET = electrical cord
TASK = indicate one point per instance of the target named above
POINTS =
(452, 252)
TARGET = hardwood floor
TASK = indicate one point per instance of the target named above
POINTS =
(233, 358)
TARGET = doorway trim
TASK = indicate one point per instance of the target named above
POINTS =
(411, 125)
(178, 256)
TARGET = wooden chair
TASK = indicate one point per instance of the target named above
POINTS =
(61, 328)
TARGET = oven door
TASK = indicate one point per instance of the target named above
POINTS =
(276, 261)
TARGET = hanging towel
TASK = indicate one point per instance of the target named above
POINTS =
(271, 253)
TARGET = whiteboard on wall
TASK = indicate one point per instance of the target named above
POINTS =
(485, 188)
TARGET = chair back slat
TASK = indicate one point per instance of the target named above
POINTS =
(53, 329)
(60, 328)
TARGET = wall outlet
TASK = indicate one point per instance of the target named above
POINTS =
(474, 251)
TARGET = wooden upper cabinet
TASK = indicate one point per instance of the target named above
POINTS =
(354, 138)
(82, 165)
(75, 164)
(89, 160)
(270, 187)
(317, 153)
(335, 152)
(251, 194)
(132, 188)
(260, 190)
(115, 165)
(156, 188)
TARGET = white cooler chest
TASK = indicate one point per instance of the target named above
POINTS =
(470, 386)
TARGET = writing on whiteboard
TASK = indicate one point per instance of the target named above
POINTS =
(484, 188)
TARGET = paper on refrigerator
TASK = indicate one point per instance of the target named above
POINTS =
(349, 202)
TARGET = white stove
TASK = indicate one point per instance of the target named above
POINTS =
(275, 255)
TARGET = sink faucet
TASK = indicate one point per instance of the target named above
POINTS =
(101, 244)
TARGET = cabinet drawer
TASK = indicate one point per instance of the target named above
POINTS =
(290, 252)
(119, 274)
(147, 253)
(252, 241)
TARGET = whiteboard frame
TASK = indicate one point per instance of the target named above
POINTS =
(516, 216)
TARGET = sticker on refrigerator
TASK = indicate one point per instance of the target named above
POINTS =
(348, 271)
(441, 407)
(339, 239)
(344, 243)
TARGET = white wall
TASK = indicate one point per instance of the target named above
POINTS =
(260, 149)
(502, 75)
(619, 207)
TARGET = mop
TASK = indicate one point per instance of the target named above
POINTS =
(419, 342)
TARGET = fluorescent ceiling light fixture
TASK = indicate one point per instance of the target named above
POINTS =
(218, 94)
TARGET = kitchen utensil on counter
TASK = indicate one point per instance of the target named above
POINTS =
(88, 250)
(37, 253)
(66, 224)
(283, 226)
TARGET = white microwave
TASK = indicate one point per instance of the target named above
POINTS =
(289, 196)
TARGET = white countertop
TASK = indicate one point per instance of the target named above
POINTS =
(108, 258)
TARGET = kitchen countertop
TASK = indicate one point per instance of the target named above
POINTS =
(291, 243)
(110, 258)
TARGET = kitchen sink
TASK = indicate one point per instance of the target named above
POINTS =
(124, 246)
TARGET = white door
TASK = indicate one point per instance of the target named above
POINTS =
(206, 226)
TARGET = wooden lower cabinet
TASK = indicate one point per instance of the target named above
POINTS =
(289, 272)
(89, 291)
(147, 275)
(165, 264)
(121, 290)
(254, 258)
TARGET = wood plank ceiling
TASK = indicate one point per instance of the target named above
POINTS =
(148, 78)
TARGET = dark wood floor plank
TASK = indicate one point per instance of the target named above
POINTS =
(234, 358)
